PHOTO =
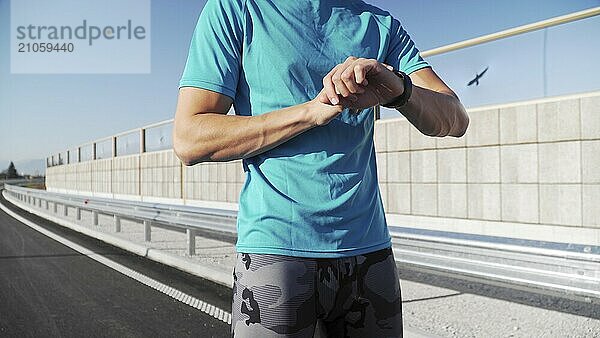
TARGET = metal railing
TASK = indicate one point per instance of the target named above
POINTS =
(559, 20)
(533, 266)
(192, 220)
(153, 137)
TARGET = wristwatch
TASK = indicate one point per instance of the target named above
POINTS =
(402, 99)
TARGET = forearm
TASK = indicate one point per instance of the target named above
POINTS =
(436, 113)
(433, 107)
(218, 137)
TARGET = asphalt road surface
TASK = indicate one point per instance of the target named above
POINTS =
(47, 290)
(50, 290)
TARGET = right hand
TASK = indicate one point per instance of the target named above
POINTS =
(321, 110)
(359, 83)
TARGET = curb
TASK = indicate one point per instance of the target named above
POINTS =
(178, 262)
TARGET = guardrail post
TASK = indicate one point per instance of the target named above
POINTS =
(47, 205)
(39, 202)
(191, 240)
(117, 219)
(78, 212)
(95, 217)
(147, 231)
(55, 207)
(65, 210)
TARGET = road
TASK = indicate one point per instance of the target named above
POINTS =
(50, 290)
(433, 305)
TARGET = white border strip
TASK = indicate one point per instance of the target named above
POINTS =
(201, 305)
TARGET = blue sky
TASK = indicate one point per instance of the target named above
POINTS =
(44, 114)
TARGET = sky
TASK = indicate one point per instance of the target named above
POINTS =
(41, 114)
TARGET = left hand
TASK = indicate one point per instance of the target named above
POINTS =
(360, 83)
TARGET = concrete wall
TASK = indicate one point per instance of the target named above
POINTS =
(161, 175)
(125, 179)
(521, 168)
(214, 181)
(532, 163)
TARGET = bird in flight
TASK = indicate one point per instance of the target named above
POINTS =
(477, 77)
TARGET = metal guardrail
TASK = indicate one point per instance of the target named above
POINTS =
(570, 274)
(567, 274)
(189, 219)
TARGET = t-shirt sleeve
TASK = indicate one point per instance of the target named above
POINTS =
(214, 57)
(402, 53)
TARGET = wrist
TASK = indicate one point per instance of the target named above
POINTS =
(309, 113)
(401, 97)
(316, 113)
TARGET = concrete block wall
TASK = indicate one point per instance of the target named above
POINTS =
(83, 176)
(161, 175)
(58, 177)
(126, 175)
(220, 181)
(530, 163)
(102, 175)
(536, 162)
(70, 176)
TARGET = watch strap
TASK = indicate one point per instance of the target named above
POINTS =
(403, 98)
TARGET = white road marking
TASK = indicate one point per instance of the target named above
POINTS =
(194, 302)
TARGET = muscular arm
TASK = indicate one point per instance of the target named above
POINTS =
(433, 108)
(203, 132)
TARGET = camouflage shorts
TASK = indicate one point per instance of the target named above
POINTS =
(282, 296)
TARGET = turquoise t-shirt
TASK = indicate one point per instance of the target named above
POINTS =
(315, 195)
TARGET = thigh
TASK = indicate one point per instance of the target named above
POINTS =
(273, 296)
(374, 308)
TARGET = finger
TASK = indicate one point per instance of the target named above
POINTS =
(361, 69)
(323, 98)
(350, 59)
(340, 87)
(329, 87)
(348, 77)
